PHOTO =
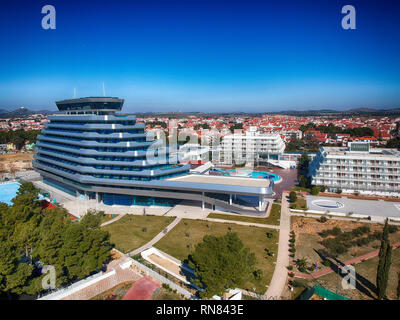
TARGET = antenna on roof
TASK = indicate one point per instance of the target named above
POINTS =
(104, 90)
(74, 93)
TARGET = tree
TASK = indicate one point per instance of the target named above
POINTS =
(29, 234)
(292, 196)
(303, 182)
(221, 263)
(385, 256)
(92, 219)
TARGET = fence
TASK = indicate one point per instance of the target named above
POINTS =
(77, 286)
(156, 275)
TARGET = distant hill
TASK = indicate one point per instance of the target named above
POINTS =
(21, 112)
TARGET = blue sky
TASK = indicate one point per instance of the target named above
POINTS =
(211, 56)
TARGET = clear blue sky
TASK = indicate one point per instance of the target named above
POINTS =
(202, 55)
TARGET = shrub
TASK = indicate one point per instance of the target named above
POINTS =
(144, 229)
(323, 219)
(392, 228)
(292, 250)
(187, 234)
(290, 268)
(314, 190)
(258, 274)
(269, 235)
(293, 206)
(292, 196)
(326, 263)
(339, 191)
(298, 284)
(362, 241)
(322, 188)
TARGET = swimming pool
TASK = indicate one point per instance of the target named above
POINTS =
(248, 173)
(8, 192)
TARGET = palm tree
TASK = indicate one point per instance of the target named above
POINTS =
(301, 264)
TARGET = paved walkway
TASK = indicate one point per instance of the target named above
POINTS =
(120, 276)
(279, 277)
(157, 238)
(112, 220)
(326, 271)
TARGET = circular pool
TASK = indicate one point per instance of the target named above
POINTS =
(328, 204)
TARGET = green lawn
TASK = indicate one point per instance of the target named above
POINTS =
(297, 188)
(128, 234)
(273, 217)
(180, 242)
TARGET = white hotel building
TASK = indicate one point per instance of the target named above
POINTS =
(357, 168)
(247, 148)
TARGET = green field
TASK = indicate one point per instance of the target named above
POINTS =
(273, 217)
(128, 233)
(180, 242)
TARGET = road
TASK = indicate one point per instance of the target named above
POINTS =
(279, 277)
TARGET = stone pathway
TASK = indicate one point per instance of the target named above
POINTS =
(326, 271)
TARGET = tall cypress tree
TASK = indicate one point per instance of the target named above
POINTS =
(385, 259)
(398, 286)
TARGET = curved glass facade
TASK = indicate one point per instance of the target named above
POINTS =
(101, 148)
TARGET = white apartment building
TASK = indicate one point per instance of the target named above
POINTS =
(247, 148)
(357, 168)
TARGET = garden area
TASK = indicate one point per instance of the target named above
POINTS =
(326, 241)
(366, 275)
(115, 293)
(132, 231)
(297, 201)
(166, 293)
(272, 219)
(181, 241)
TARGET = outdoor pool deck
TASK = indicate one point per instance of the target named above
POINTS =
(230, 181)
(375, 208)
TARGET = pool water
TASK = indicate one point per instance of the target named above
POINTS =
(8, 191)
(248, 173)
